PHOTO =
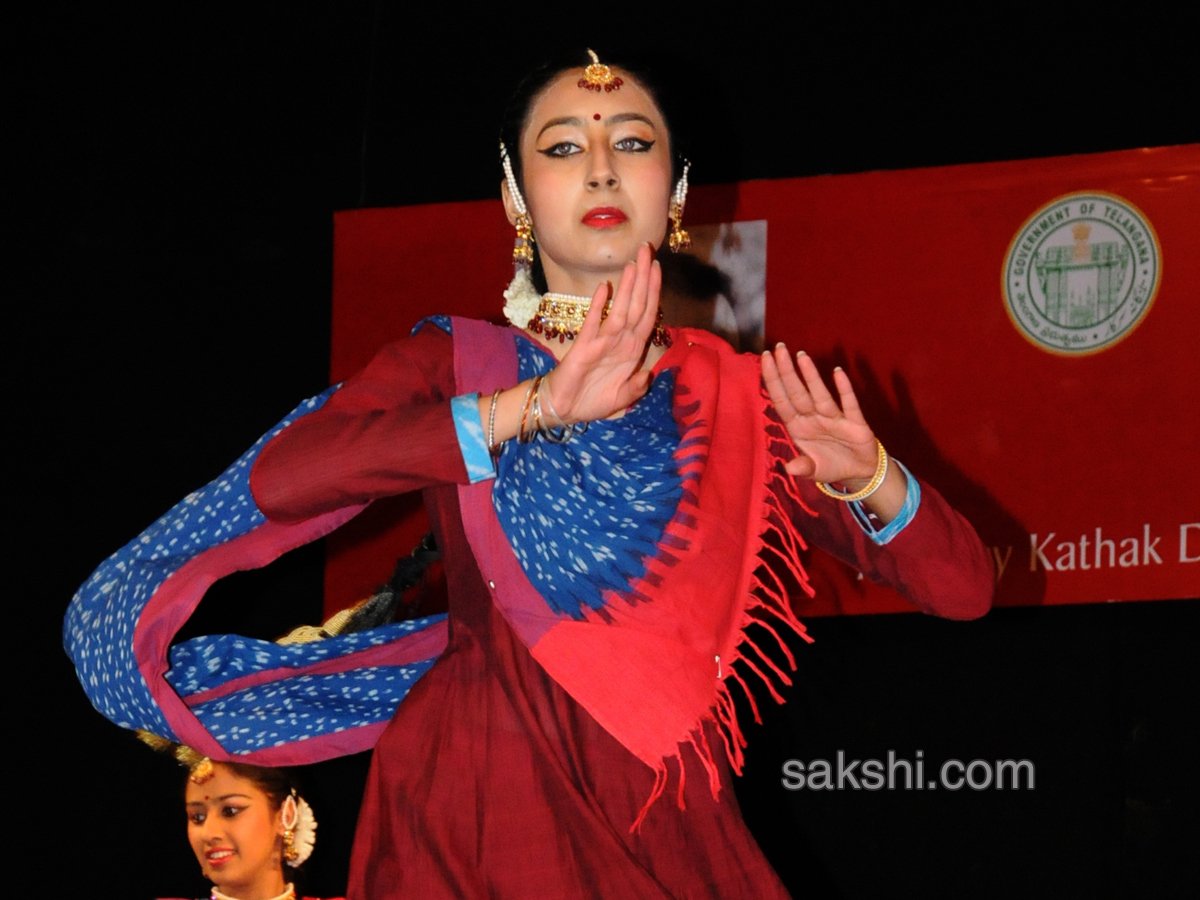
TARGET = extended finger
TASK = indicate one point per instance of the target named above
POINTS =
(846, 395)
(822, 400)
(591, 321)
(797, 390)
(618, 312)
(774, 384)
(641, 285)
(649, 317)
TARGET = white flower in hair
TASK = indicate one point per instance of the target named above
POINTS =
(521, 299)
(306, 831)
(299, 819)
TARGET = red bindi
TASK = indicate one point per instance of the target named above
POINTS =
(596, 117)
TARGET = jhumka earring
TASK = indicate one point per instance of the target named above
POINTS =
(523, 246)
(291, 815)
(680, 239)
(299, 830)
(289, 847)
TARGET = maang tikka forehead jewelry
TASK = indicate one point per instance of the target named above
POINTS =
(523, 245)
(598, 76)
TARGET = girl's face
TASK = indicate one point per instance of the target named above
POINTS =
(236, 835)
(597, 180)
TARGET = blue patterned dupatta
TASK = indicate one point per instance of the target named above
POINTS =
(230, 696)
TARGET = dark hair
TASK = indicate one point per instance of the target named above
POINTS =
(517, 111)
(532, 85)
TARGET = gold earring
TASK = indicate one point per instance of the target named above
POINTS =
(290, 815)
(290, 853)
(523, 248)
(680, 239)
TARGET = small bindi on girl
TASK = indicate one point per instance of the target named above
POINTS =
(596, 116)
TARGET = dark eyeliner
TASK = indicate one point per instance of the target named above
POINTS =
(642, 144)
(551, 150)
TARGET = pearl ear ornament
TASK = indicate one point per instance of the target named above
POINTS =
(523, 245)
(679, 239)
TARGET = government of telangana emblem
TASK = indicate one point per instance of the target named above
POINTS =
(1081, 273)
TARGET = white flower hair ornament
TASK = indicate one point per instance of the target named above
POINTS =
(521, 299)
(299, 830)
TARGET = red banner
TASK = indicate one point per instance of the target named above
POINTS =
(1019, 334)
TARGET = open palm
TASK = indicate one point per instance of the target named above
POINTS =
(602, 372)
(835, 443)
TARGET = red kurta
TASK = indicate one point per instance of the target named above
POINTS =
(491, 780)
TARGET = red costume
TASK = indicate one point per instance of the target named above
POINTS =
(495, 777)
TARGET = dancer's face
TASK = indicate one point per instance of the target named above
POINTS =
(596, 168)
(236, 835)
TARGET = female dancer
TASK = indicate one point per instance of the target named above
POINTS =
(248, 828)
(606, 507)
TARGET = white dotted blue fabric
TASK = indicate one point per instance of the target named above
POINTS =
(584, 517)
(99, 626)
(204, 663)
(296, 709)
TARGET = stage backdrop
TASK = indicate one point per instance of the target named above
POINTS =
(1023, 335)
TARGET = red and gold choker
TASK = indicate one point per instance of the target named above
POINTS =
(561, 316)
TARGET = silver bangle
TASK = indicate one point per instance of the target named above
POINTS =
(491, 435)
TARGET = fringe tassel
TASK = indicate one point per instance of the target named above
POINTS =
(778, 698)
(660, 784)
(782, 646)
(730, 731)
(682, 782)
(770, 663)
(706, 759)
(766, 592)
(749, 696)
(769, 593)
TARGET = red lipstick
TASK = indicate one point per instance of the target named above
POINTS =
(604, 217)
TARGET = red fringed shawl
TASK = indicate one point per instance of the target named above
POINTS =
(653, 665)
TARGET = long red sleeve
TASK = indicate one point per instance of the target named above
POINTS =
(388, 430)
(937, 562)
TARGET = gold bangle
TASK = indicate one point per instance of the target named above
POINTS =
(537, 409)
(872, 486)
(524, 436)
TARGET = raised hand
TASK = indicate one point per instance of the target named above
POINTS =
(835, 443)
(601, 374)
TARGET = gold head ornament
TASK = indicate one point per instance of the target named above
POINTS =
(599, 77)
(200, 767)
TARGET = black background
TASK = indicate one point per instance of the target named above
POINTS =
(177, 169)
